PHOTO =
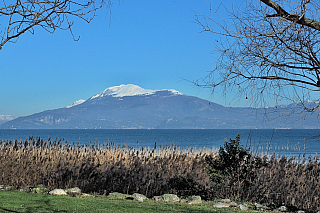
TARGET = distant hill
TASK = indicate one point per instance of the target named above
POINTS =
(132, 107)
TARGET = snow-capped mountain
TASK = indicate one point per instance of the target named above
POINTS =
(5, 118)
(76, 103)
(127, 90)
(123, 90)
(130, 106)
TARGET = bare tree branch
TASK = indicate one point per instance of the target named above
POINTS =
(263, 55)
(292, 17)
(18, 17)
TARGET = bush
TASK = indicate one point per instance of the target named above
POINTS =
(234, 168)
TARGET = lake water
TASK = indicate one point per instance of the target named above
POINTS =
(282, 141)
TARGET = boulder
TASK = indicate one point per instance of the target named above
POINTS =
(167, 198)
(40, 189)
(225, 200)
(27, 189)
(233, 204)
(139, 197)
(259, 206)
(282, 209)
(82, 195)
(192, 200)
(73, 191)
(10, 188)
(221, 205)
(7, 188)
(243, 207)
(58, 192)
(117, 196)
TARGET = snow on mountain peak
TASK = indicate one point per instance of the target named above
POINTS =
(124, 90)
(6, 117)
(128, 90)
(175, 92)
(76, 103)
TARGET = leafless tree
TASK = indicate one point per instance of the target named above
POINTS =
(18, 17)
(267, 49)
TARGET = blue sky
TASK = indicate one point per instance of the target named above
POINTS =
(152, 44)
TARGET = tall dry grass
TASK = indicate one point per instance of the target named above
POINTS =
(170, 169)
(99, 168)
(290, 181)
(293, 181)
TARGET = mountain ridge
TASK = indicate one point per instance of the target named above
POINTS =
(132, 107)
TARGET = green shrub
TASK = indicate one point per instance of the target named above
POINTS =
(234, 168)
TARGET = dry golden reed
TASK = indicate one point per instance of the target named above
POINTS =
(98, 168)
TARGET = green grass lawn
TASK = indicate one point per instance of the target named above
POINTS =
(15, 201)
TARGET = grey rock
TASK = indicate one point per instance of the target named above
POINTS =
(259, 206)
(73, 191)
(27, 189)
(117, 196)
(82, 195)
(10, 188)
(221, 205)
(183, 200)
(243, 207)
(281, 209)
(58, 192)
(233, 204)
(7, 188)
(167, 198)
(225, 200)
(301, 211)
(40, 189)
(139, 197)
(192, 200)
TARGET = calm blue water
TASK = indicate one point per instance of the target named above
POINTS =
(281, 141)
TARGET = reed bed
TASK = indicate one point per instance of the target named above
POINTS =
(290, 181)
(153, 171)
(99, 168)
(293, 181)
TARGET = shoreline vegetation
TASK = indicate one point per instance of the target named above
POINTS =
(102, 169)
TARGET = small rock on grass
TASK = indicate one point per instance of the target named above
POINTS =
(138, 197)
(167, 198)
(221, 205)
(243, 207)
(27, 189)
(82, 195)
(259, 206)
(10, 188)
(233, 204)
(225, 200)
(192, 200)
(282, 209)
(117, 196)
(58, 192)
(7, 188)
(73, 191)
(40, 189)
